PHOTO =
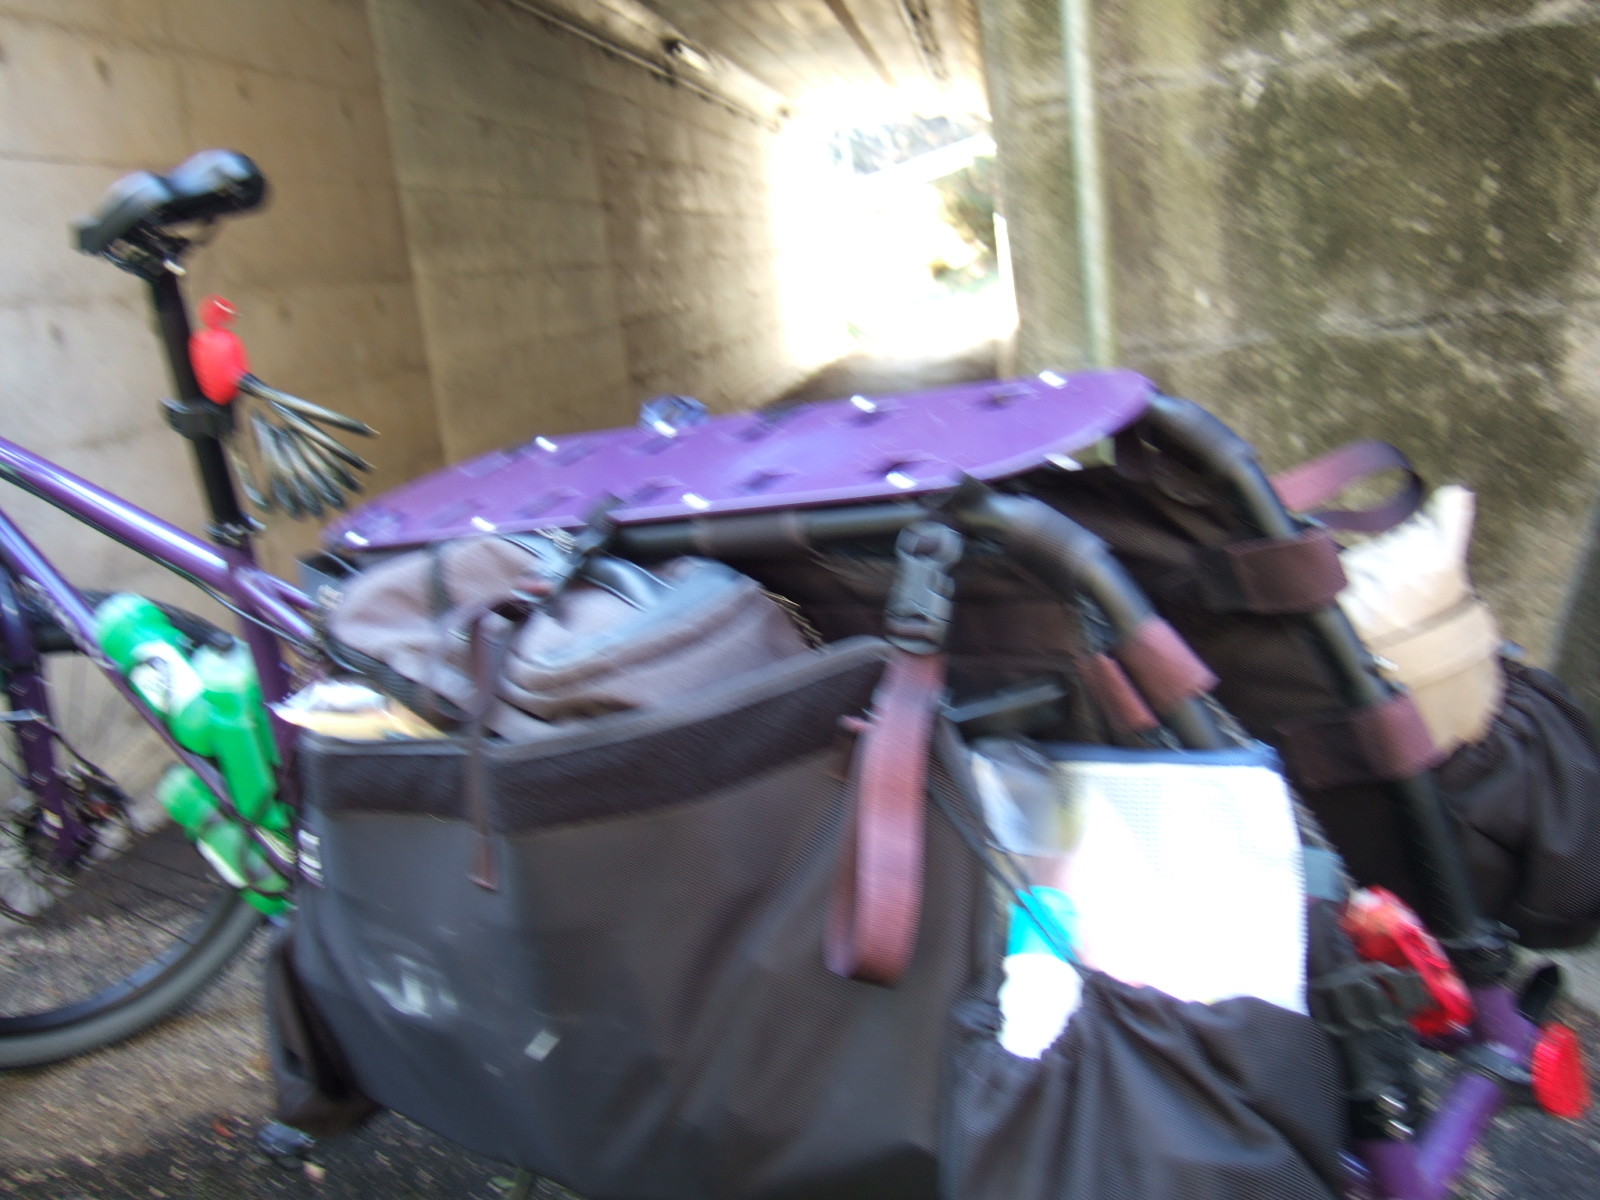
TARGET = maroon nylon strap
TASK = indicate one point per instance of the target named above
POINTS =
(1124, 708)
(878, 905)
(1161, 665)
(487, 652)
(1312, 483)
(1384, 741)
(1299, 574)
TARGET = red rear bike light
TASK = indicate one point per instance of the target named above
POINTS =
(217, 354)
(1384, 930)
(1560, 1077)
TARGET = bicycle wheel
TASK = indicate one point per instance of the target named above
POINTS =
(105, 946)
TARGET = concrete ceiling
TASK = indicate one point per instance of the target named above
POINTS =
(822, 51)
(866, 59)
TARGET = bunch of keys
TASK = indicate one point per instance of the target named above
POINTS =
(307, 470)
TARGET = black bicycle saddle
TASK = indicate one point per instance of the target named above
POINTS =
(209, 184)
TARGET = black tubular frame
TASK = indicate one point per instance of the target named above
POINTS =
(1071, 560)
(1477, 945)
(1057, 550)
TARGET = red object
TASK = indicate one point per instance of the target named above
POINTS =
(217, 354)
(1385, 930)
(1560, 1080)
(217, 312)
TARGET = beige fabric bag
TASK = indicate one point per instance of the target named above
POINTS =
(1411, 601)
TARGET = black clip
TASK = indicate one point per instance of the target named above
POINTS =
(199, 418)
(1364, 1007)
(1484, 955)
(560, 566)
(1365, 997)
(917, 616)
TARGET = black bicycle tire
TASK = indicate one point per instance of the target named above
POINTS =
(161, 987)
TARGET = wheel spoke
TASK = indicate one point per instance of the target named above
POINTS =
(180, 901)
(112, 901)
(192, 876)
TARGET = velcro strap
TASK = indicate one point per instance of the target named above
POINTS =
(1299, 574)
(1384, 741)
(487, 651)
(1121, 702)
(1161, 665)
(878, 905)
(1312, 483)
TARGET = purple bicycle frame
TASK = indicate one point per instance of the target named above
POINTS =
(273, 609)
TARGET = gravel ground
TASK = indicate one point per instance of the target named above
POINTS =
(173, 1116)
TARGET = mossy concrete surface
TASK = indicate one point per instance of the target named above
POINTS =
(1333, 219)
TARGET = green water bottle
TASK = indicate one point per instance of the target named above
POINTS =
(230, 850)
(239, 734)
(150, 652)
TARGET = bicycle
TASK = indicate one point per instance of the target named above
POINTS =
(109, 919)
(79, 818)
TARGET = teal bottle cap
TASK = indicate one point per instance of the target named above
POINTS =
(1038, 909)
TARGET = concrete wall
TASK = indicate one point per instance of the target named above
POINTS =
(95, 88)
(554, 234)
(583, 233)
(1334, 219)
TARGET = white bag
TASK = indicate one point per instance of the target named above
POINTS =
(1412, 603)
(1184, 867)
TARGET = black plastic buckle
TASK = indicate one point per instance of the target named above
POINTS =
(1364, 1007)
(1366, 997)
(917, 616)
(147, 253)
(199, 418)
(1483, 956)
(563, 564)
(234, 534)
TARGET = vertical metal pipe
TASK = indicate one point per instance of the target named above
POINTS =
(1088, 182)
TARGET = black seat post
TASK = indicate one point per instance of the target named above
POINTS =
(136, 227)
(200, 420)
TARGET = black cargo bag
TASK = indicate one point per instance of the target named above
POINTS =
(641, 1005)
(1526, 798)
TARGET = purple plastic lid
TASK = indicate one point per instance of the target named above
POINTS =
(830, 452)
